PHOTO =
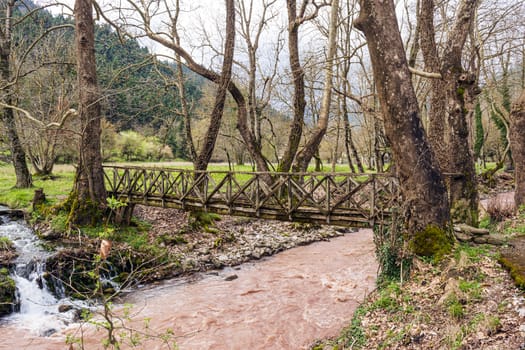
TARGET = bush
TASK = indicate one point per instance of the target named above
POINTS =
(499, 210)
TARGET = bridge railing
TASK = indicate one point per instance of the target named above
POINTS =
(333, 198)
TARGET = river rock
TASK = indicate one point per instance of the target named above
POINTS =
(463, 237)
(496, 240)
(64, 308)
(48, 332)
(481, 239)
(231, 277)
(7, 292)
(471, 230)
(49, 234)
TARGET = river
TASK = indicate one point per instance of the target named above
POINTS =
(286, 301)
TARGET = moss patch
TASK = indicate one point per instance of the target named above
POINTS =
(204, 220)
(7, 292)
(433, 242)
(516, 270)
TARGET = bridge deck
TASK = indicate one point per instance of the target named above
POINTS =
(325, 198)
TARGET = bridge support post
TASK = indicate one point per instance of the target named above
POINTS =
(123, 215)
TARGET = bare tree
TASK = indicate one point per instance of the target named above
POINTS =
(185, 110)
(259, 92)
(348, 48)
(296, 17)
(18, 155)
(47, 96)
(312, 145)
(206, 151)
(420, 178)
(146, 11)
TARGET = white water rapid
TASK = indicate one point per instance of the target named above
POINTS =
(38, 308)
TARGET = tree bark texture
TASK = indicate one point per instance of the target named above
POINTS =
(517, 144)
(18, 155)
(299, 102)
(89, 182)
(312, 145)
(218, 108)
(437, 109)
(463, 189)
(420, 178)
(448, 124)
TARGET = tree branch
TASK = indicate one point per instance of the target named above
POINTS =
(424, 74)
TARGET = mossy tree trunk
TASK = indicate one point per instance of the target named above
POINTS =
(420, 178)
(517, 144)
(89, 191)
(448, 125)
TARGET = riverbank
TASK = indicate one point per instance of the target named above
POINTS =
(467, 301)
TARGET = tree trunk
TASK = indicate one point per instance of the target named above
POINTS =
(378, 137)
(188, 134)
(305, 155)
(448, 126)
(463, 189)
(299, 102)
(18, 156)
(437, 109)
(517, 144)
(420, 178)
(89, 181)
(218, 108)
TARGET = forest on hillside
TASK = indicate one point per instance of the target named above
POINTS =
(139, 97)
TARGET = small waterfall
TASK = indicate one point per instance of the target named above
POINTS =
(37, 308)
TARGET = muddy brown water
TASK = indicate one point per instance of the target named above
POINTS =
(286, 301)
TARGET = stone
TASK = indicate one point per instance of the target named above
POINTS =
(231, 277)
(49, 234)
(463, 237)
(480, 239)
(48, 332)
(471, 230)
(494, 240)
(64, 308)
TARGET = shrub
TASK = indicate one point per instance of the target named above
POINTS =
(499, 210)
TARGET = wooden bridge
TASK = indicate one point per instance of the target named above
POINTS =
(357, 200)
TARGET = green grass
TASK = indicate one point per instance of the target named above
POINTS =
(6, 244)
(474, 253)
(471, 288)
(454, 308)
(55, 189)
